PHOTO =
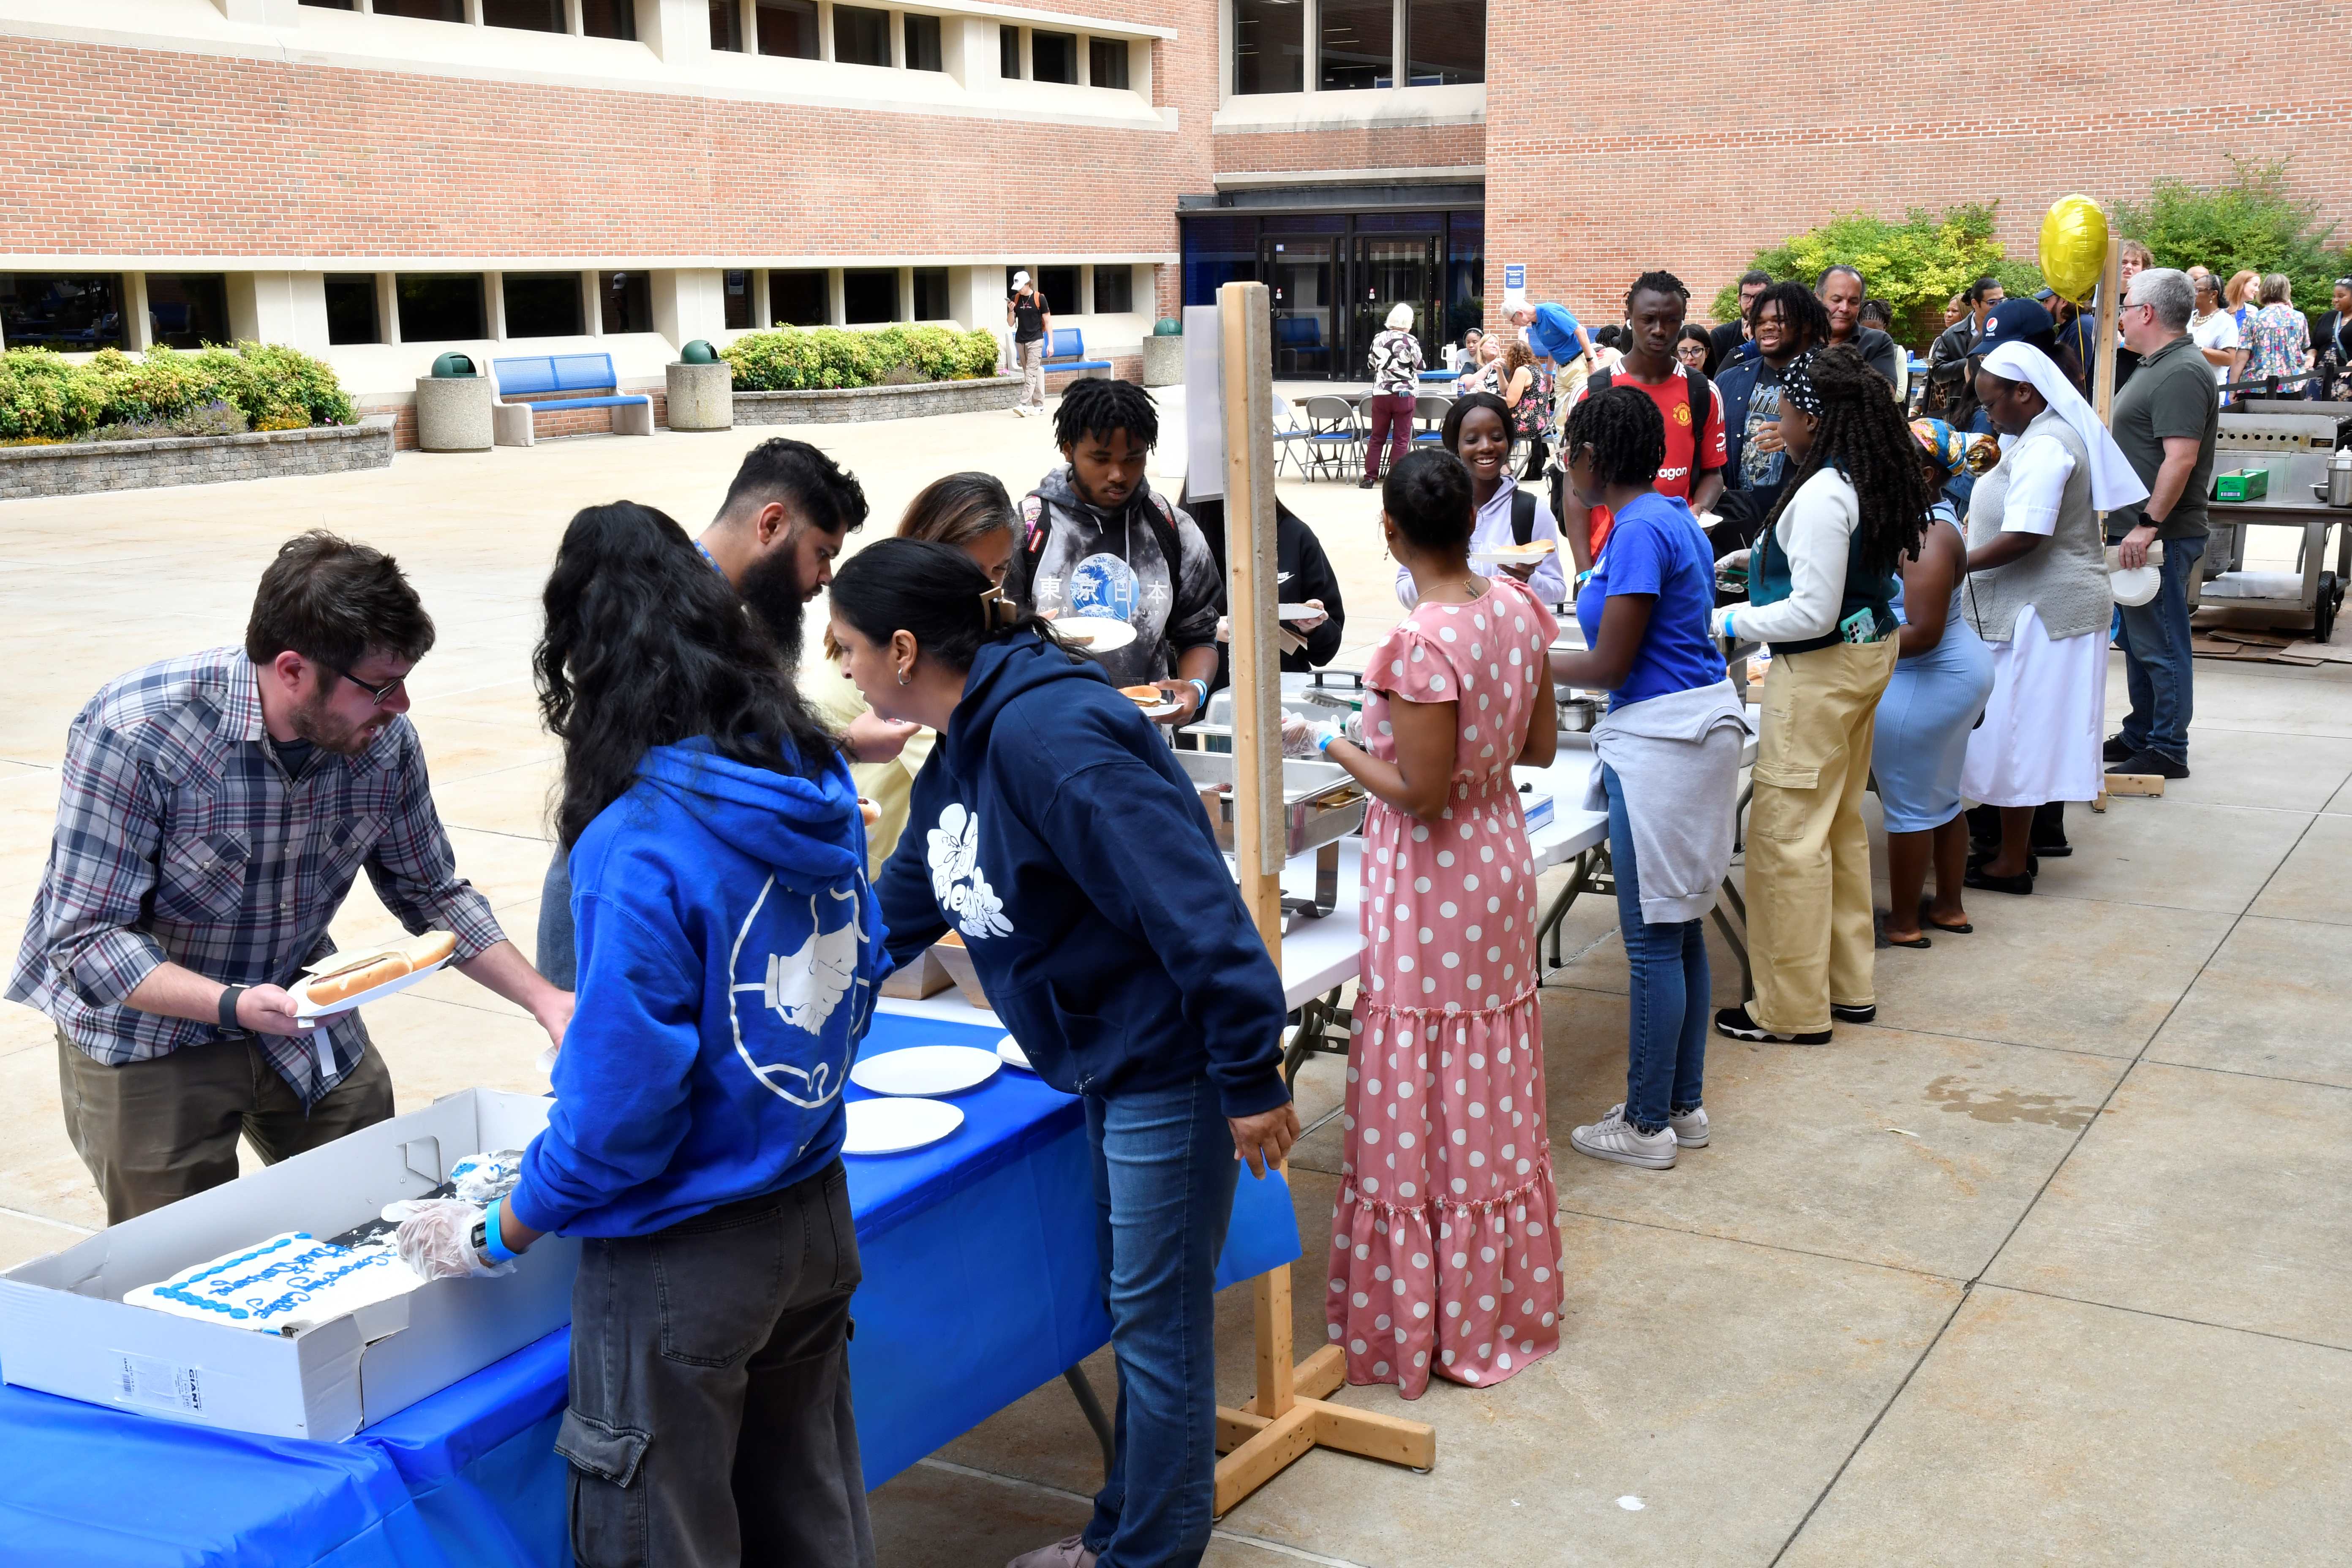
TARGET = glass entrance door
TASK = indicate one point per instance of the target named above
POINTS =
(1392, 269)
(1298, 269)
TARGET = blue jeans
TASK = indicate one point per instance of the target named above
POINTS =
(1665, 1053)
(1164, 1170)
(2157, 669)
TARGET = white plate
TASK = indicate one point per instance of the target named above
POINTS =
(305, 1008)
(1514, 557)
(1296, 612)
(926, 1069)
(1009, 1050)
(893, 1124)
(1160, 710)
(1103, 633)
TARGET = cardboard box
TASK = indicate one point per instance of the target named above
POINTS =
(2241, 484)
(64, 1328)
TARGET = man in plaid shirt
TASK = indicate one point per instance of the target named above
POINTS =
(213, 814)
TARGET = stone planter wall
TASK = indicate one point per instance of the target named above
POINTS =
(85, 466)
(842, 406)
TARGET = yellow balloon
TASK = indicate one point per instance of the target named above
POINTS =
(2074, 246)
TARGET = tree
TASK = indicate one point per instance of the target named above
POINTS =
(2250, 221)
(1914, 265)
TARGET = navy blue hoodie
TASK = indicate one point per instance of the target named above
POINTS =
(728, 948)
(1054, 828)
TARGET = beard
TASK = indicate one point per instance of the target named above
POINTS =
(323, 730)
(772, 591)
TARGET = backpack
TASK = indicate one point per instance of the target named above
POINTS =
(1702, 403)
(1161, 518)
(1523, 515)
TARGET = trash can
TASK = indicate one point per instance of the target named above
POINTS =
(453, 407)
(1163, 358)
(701, 389)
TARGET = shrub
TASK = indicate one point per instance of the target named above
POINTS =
(1914, 265)
(218, 417)
(2249, 221)
(792, 359)
(269, 386)
(44, 396)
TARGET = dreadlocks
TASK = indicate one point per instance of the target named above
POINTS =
(1621, 427)
(1863, 435)
(1656, 283)
(1801, 312)
(1097, 406)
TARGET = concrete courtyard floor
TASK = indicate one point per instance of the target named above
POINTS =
(2050, 1263)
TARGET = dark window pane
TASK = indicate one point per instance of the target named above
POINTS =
(333, 4)
(1357, 45)
(1465, 273)
(1053, 56)
(542, 304)
(861, 37)
(69, 311)
(609, 18)
(1445, 42)
(1270, 46)
(869, 294)
(532, 16)
(1008, 53)
(736, 291)
(1114, 291)
(923, 43)
(788, 28)
(1060, 287)
(1217, 251)
(727, 26)
(798, 300)
(188, 311)
(440, 307)
(350, 309)
(1107, 62)
(931, 294)
(628, 301)
(424, 10)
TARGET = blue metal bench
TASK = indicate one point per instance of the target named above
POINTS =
(1067, 351)
(532, 376)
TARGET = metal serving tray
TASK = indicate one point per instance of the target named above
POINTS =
(1321, 804)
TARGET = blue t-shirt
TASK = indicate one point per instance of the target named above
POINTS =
(1656, 547)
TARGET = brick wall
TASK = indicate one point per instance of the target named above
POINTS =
(1357, 147)
(84, 468)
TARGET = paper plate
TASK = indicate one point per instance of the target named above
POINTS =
(1008, 1049)
(1296, 612)
(892, 1125)
(2135, 585)
(306, 1008)
(1102, 633)
(926, 1069)
(1160, 710)
(1514, 557)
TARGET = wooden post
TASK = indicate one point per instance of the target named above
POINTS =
(2110, 319)
(1287, 1415)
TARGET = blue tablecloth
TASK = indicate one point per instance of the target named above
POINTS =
(980, 1265)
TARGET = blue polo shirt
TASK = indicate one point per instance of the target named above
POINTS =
(1656, 546)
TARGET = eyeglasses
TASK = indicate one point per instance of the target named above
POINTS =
(379, 695)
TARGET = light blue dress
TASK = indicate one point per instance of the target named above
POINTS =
(1925, 715)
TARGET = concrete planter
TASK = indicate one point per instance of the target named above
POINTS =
(842, 406)
(82, 468)
(701, 397)
(453, 413)
(1163, 360)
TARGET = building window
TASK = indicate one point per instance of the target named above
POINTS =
(628, 301)
(798, 300)
(737, 293)
(187, 310)
(333, 4)
(609, 18)
(530, 16)
(440, 307)
(1060, 287)
(861, 37)
(1270, 46)
(727, 26)
(931, 294)
(1357, 47)
(869, 294)
(350, 309)
(68, 310)
(1445, 42)
(423, 10)
(1053, 56)
(542, 304)
(1114, 291)
(1107, 62)
(1008, 53)
(788, 28)
(923, 52)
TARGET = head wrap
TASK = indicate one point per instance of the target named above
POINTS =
(2114, 485)
(1796, 386)
(1955, 451)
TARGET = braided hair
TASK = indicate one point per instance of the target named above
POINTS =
(1621, 427)
(1099, 406)
(1864, 436)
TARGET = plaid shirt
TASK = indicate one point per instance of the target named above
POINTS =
(182, 837)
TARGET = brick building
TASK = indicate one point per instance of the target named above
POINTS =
(378, 180)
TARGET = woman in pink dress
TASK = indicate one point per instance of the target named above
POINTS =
(1445, 1256)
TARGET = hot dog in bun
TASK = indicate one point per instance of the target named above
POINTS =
(417, 953)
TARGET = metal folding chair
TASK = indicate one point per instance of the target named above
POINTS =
(1338, 436)
(1428, 414)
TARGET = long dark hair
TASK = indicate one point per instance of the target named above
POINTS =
(934, 591)
(960, 510)
(1427, 495)
(1450, 432)
(1864, 436)
(646, 645)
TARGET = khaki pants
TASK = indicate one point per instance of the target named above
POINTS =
(1809, 927)
(155, 1131)
(1033, 373)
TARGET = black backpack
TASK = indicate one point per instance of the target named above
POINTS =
(1523, 515)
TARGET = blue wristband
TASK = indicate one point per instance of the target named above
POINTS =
(1727, 632)
(1203, 688)
(495, 1247)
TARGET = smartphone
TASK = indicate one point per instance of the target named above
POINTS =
(1860, 627)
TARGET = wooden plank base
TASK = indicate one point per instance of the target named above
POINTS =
(2135, 784)
(1257, 1447)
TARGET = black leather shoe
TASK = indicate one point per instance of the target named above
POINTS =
(1846, 1015)
(1980, 878)
(2116, 750)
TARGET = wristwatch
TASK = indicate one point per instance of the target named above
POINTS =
(228, 999)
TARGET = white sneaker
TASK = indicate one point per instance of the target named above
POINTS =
(1615, 1138)
(1689, 1129)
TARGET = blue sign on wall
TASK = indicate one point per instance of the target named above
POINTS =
(1514, 276)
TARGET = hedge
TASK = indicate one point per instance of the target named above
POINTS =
(45, 396)
(791, 358)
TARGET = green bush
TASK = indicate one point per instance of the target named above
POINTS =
(272, 387)
(2248, 222)
(792, 359)
(1915, 266)
(44, 396)
(218, 417)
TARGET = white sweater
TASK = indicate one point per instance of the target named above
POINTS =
(1815, 532)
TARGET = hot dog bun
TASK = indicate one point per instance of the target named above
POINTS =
(417, 953)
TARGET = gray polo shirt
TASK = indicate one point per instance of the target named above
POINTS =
(2171, 393)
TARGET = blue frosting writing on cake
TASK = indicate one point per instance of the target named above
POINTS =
(182, 1290)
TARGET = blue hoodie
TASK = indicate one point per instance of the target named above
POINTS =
(1052, 826)
(728, 948)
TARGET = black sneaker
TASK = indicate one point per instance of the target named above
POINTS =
(2149, 762)
(2116, 750)
(1735, 1023)
(1846, 1015)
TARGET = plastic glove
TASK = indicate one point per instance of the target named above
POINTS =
(437, 1241)
(1298, 735)
(1720, 621)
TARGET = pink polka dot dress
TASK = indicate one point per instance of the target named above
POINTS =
(1445, 1256)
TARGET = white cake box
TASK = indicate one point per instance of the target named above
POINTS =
(65, 1329)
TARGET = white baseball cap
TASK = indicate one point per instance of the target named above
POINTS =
(1019, 278)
